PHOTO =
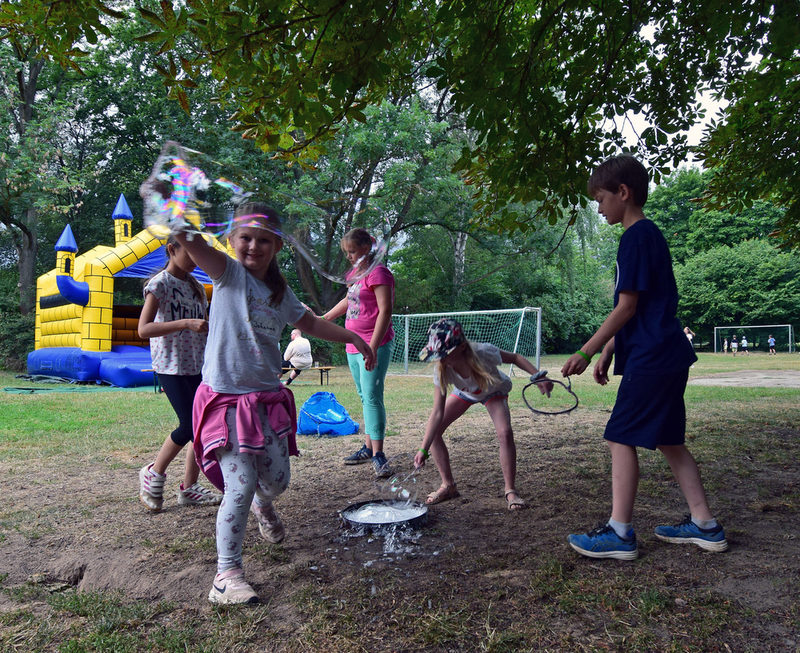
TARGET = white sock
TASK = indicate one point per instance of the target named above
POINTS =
(620, 528)
(704, 523)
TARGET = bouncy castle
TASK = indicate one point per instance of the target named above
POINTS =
(81, 334)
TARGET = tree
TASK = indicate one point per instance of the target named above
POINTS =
(754, 145)
(750, 282)
(545, 87)
(31, 174)
(690, 228)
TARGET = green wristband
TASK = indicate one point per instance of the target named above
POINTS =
(584, 355)
(424, 452)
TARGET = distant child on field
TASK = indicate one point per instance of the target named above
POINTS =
(643, 335)
(771, 343)
(745, 345)
(725, 346)
(473, 369)
(244, 418)
(734, 345)
(174, 319)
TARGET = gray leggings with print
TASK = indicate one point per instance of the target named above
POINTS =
(249, 478)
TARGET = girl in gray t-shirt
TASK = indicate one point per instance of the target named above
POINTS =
(243, 431)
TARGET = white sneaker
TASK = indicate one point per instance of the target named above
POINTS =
(197, 495)
(269, 524)
(151, 488)
(231, 589)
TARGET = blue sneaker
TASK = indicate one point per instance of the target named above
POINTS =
(361, 456)
(687, 532)
(603, 542)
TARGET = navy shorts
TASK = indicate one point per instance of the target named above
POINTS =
(649, 411)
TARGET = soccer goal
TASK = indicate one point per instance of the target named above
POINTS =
(757, 336)
(516, 329)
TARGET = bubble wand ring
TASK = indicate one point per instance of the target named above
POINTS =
(541, 377)
(189, 192)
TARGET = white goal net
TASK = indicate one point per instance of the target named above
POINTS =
(517, 330)
(757, 337)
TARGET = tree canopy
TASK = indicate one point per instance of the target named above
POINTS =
(545, 87)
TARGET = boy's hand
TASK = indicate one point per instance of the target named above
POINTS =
(419, 460)
(576, 364)
(600, 372)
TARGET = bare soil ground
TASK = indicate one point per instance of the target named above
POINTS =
(506, 572)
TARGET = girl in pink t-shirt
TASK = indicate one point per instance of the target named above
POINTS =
(368, 312)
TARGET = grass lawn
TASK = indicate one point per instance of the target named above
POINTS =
(83, 567)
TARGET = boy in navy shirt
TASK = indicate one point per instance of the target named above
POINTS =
(651, 352)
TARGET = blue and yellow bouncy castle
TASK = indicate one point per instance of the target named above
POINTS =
(80, 333)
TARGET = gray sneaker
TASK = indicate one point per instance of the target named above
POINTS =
(381, 465)
(361, 456)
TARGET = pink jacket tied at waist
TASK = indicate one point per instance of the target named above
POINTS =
(211, 430)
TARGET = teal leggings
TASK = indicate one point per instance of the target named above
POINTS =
(370, 389)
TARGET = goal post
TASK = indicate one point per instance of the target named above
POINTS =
(517, 330)
(757, 336)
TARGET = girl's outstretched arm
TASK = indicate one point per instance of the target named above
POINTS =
(337, 311)
(207, 258)
(326, 330)
(432, 428)
(524, 364)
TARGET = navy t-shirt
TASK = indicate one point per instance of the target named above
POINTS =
(652, 341)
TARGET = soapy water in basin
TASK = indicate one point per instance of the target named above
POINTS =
(384, 513)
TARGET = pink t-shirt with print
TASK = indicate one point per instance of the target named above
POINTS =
(362, 306)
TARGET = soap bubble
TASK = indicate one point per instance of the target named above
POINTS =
(401, 486)
(191, 192)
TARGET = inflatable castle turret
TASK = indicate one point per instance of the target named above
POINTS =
(80, 333)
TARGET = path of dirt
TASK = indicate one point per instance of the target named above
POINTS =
(82, 525)
(754, 379)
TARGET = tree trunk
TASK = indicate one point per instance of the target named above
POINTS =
(459, 264)
(26, 247)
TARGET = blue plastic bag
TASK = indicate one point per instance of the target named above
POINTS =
(322, 414)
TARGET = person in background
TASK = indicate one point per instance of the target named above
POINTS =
(297, 355)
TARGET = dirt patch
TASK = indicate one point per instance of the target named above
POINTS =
(81, 525)
(751, 379)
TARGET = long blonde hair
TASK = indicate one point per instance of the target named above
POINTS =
(478, 372)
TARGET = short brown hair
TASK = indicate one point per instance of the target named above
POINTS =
(618, 170)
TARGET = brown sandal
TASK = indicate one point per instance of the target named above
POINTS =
(444, 493)
(515, 504)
